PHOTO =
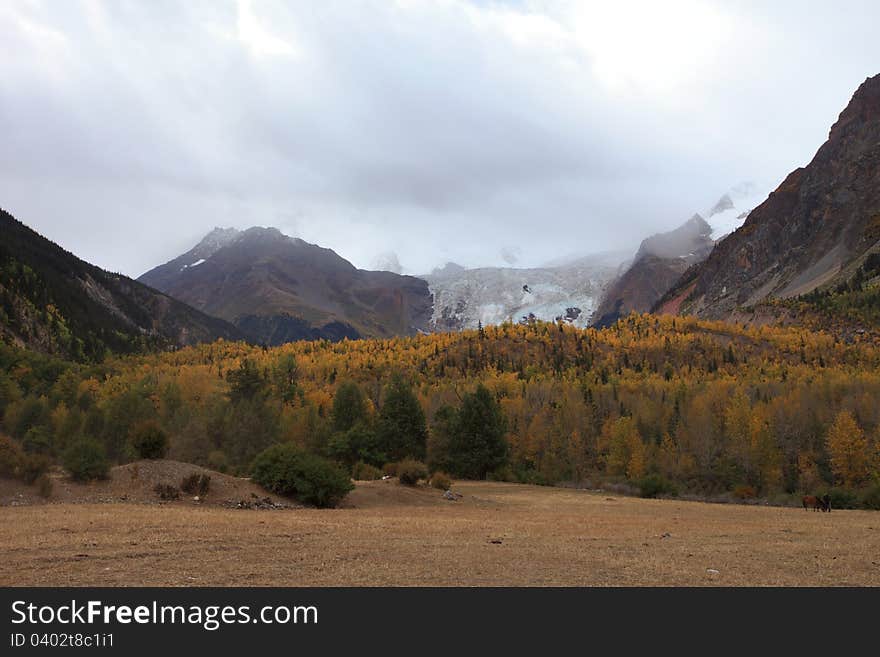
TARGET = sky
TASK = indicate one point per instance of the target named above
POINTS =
(404, 134)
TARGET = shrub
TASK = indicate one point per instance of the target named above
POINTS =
(409, 471)
(196, 484)
(843, 498)
(44, 486)
(217, 460)
(86, 459)
(149, 441)
(870, 498)
(653, 485)
(745, 492)
(287, 470)
(441, 481)
(10, 457)
(530, 476)
(390, 469)
(365, 472)
(37, 440)
(166, 492)
(33, 466)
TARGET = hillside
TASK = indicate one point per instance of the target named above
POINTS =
(708, 407)
(813, 232)
(53, 302)
(277, 289)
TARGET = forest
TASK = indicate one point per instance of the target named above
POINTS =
(666, 405)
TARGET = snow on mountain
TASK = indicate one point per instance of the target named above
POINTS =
(213, 242)
(195, 264)
(732, 209)
(463, 298)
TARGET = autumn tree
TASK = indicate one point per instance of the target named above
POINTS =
(848, 447)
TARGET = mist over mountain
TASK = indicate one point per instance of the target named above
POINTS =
(662, 258)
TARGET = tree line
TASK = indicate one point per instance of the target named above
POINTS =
(661, 402)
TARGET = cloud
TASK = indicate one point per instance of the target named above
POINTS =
(438, 130)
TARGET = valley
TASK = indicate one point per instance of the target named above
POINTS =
(497, 534)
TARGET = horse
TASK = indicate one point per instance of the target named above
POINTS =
(826, 501)
(816, 503)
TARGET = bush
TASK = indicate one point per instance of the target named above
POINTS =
(441, 481)
(870, 498)
(745, 492)
(843, 498)
(10, 457)
(33, 466)
(530, 476)
(196, 484)
(287, 470)
(149, 441)
(166, 492)
(86, 459)
(365, 472)
(409, 471)
(653, 485)
(37, 440)
(44, 486)
(217, 460)
(390, 469)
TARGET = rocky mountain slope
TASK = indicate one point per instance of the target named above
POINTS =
(52, 301)
(813, 232)
(464, 298)
(663, 258)
(276, 289)
(658, 264)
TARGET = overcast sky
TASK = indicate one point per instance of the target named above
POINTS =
(414, 132)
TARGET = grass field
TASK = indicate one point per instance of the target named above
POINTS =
(497, 534)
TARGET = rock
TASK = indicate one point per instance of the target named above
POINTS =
(712, 571)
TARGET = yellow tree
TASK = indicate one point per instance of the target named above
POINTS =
(626, 451)
(848, 447)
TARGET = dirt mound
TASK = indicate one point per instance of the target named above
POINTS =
(136, 482)
(391, 493)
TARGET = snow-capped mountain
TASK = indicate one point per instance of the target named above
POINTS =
(664, 257)
(464, 298)
(731, 210)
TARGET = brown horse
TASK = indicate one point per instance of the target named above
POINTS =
(815, 503)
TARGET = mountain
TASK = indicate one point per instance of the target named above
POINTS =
(464, 298)
(731, 210)
(658, 264)
(813, 232)
(52, 301)
(277, 289)
(663, 258)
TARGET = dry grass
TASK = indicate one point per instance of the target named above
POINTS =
(497, 534)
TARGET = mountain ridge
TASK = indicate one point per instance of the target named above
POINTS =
(813, 231)
(278, 288)
(57, 303)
